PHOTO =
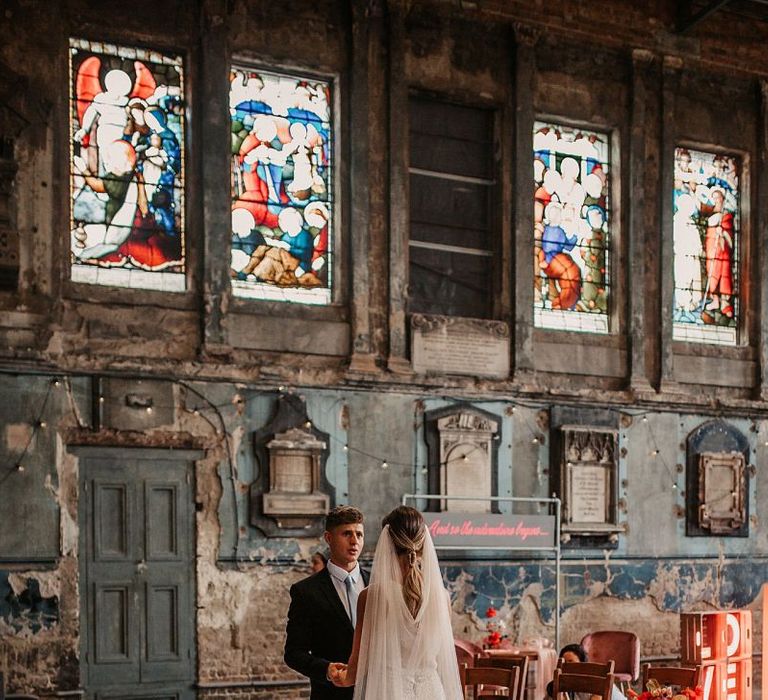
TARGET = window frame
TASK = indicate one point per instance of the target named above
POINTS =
(335, 310)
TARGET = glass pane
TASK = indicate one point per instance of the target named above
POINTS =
(572, 244)
(451, 209)
(282, 178)
(127, 167)
(447, 283)
(706, 224)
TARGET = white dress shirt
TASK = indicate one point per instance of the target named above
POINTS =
(338, 577)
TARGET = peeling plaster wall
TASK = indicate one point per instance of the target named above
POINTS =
(214, 364)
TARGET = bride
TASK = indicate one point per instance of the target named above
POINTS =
(403, 644)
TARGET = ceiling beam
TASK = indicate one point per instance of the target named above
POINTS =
(687, 19)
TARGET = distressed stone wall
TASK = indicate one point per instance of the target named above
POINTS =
(217, 364)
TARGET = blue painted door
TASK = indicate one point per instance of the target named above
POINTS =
(137, 546)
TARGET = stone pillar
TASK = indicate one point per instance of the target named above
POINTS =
(670, 85)
(525, 86)
(636, 279)
(398, 193)
(761, 237)
(368, 33)
(212, 164)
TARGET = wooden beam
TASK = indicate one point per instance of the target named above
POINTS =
(686, 19)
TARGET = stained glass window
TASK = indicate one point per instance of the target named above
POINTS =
(572, 242)
(706, 225)
(282, 181)
(127, 167)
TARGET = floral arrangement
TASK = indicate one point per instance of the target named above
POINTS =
(495, 629)
(656, 691)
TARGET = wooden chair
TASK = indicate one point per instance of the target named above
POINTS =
(498, 658)
(466, 651)
(601, 686)
(622, 647)
(680, 676)
(586, 668)
(480, 679)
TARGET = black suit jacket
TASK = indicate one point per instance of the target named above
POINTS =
(319, 631)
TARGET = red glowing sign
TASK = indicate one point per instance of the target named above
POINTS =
(491, 530)
(721, 642)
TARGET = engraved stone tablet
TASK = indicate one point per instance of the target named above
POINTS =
(451, 345)
(589, 493)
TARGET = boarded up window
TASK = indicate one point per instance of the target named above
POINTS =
(452, 190)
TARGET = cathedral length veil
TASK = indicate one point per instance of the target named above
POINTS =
(402, 657)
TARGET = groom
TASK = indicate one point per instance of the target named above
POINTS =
(321, 618)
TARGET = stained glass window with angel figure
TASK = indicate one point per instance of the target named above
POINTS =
(705, 234)
(572, 228)
(282, 186)
(127, 167)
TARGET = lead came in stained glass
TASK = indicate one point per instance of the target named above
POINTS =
(127, 167)
(571, 228)
(705, 230)
(282, 204)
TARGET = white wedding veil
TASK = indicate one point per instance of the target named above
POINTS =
(402, 656)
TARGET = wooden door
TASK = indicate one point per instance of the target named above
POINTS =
(137, 567)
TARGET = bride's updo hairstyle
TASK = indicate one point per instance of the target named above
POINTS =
(407, 531)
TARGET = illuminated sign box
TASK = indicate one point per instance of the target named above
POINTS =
(498, 531)
(722, 643)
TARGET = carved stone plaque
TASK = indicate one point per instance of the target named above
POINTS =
(466, 439)
(452, 345)
(588, 493)
(291, 494)
(721, 491)
(589, 472)
(717, 481)
(294, 478)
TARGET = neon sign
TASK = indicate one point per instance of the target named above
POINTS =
(721, 642)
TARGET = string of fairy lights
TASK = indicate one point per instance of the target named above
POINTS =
(212, 413)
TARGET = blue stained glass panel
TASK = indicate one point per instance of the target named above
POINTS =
(127, 167)
(705, 234)
(572, 224)
(282, 180)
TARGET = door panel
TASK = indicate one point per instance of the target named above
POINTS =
(137, 529)
(163, 521)
(112, 521)
(115, 637)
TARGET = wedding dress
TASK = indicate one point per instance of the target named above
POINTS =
(404, 657)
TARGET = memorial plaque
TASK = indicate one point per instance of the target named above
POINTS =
(588, 480)
(452, 345)
(588, 495)
(293, 473)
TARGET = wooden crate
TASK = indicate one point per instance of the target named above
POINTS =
(727, 680)
(715, 636)
(702, 637)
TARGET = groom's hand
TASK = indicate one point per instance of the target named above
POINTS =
(337, 673)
